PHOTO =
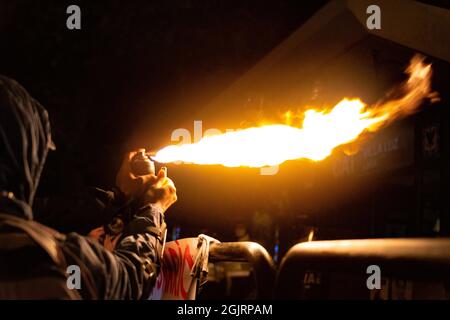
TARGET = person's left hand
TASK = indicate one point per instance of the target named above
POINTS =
(130, 184)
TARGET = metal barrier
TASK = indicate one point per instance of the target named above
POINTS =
(253, 253)
(412, 259)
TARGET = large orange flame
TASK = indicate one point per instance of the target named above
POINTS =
(320, 133)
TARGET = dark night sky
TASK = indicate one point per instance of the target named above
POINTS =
(136, 71)
(135, 66)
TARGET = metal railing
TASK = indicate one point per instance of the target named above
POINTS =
(412, 259)
(252, 253)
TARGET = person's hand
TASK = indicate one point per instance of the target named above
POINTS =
(159, 190)
(130, 184)
(162, 191)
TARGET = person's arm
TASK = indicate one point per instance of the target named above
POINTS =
(130, 271)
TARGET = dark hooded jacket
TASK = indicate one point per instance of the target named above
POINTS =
(25, 268)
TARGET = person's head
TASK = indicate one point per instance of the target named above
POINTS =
(25, 139)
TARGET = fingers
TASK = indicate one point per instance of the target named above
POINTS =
(169, 183)
(147, 180)
(129, 155)
(167, 193)
(127, 159)
(161, 181)
(171, 189)
(160, 189)
(161, 177)
(162, 173)
(158, 181)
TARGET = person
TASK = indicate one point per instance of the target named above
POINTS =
(36, 260)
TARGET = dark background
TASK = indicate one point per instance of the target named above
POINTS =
(137, 65)
(136, 71)
(133, 73)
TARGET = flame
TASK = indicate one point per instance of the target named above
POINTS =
(321, 131)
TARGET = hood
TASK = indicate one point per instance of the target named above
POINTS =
(25, 138)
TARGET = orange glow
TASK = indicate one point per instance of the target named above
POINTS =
(320, 133)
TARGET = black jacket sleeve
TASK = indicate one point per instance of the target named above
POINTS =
(130, 271)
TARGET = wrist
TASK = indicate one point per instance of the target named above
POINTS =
(149, 216)
(158, 206)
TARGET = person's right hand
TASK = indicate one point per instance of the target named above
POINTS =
(161, 192)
